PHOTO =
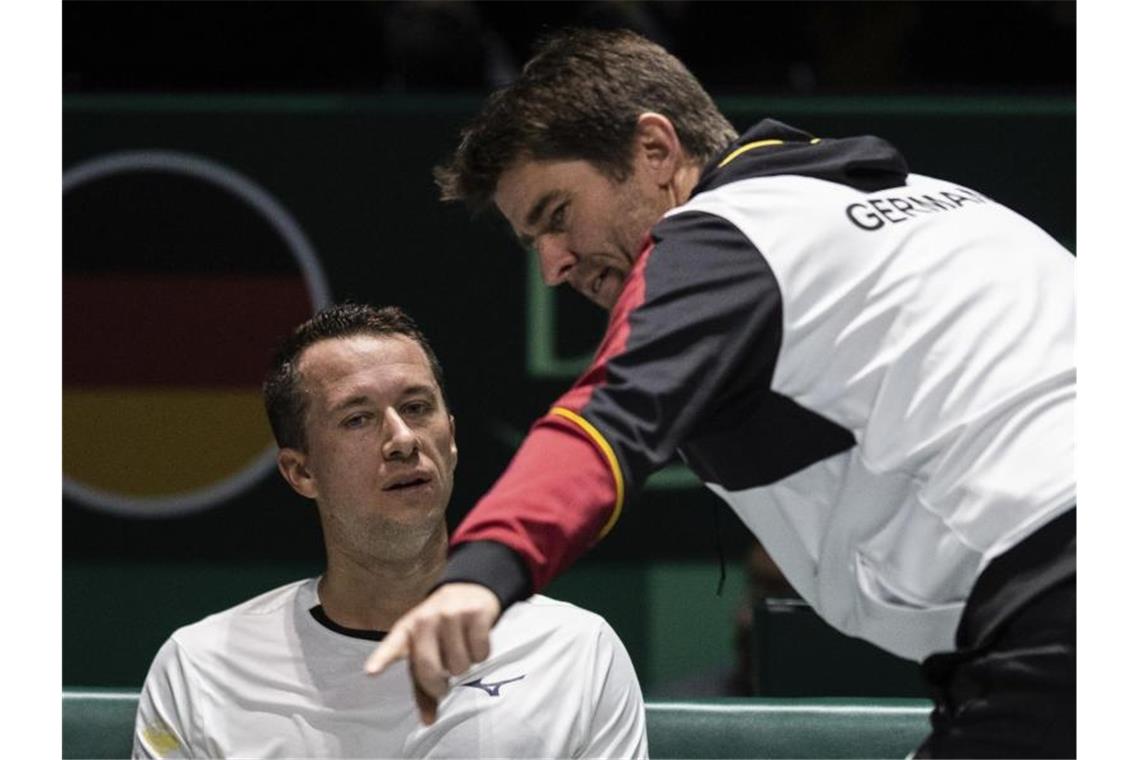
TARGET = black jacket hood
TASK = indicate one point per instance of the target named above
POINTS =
(772, 148)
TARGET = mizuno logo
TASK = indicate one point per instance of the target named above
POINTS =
(491, 688)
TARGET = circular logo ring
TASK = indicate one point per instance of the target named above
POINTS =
(286, 226)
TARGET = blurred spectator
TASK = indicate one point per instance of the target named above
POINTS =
(440, 45)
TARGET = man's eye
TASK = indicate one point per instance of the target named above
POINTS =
(356, 420)
(558, 218)
(417, 408)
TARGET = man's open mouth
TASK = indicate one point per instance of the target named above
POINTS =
(405, 483)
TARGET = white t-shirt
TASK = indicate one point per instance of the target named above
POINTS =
(266, 679)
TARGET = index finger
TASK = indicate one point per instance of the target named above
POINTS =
(393, 648)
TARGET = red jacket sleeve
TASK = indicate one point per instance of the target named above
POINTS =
(565, 488)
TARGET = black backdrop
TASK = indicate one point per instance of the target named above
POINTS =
(310, 105)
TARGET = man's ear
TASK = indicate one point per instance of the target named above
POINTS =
(293, 466)
(454, 447)
(656, 143)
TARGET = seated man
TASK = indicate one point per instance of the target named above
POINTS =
(355, 399)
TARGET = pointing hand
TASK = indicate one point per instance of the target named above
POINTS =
(442, 636)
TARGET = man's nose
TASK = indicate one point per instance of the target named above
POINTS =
(555, 258)
(399, 439)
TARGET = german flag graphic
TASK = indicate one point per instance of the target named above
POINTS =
(180, 276)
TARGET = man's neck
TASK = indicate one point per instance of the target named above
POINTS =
(371, 595)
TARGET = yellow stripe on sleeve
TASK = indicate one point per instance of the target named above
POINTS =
(608, 453)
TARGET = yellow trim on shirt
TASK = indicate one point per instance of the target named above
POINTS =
(608, 452)
(749, 146)
(757, 144)
(161, 739)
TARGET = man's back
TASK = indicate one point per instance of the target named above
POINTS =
(271, 678)
(939, 339)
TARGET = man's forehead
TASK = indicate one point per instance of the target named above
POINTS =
(512, 190)
(525, 184)
(334, 360)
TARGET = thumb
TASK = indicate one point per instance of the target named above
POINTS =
(425, 703)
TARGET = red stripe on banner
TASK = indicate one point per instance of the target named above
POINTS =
(186, 331)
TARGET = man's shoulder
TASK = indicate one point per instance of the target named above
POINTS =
(256, 612)
(559, 647)
(540, 613)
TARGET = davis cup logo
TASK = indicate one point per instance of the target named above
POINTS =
(180, 275)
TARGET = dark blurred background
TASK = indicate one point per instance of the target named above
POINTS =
(434, 46)
(231, 166)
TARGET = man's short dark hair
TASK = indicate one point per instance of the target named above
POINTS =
(285, 401)
(580, 97)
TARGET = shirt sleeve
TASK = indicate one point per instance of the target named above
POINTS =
(692, 339)
(167, 723)
(617, 722)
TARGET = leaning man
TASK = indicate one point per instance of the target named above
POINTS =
(355, 400)
(873, 368)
